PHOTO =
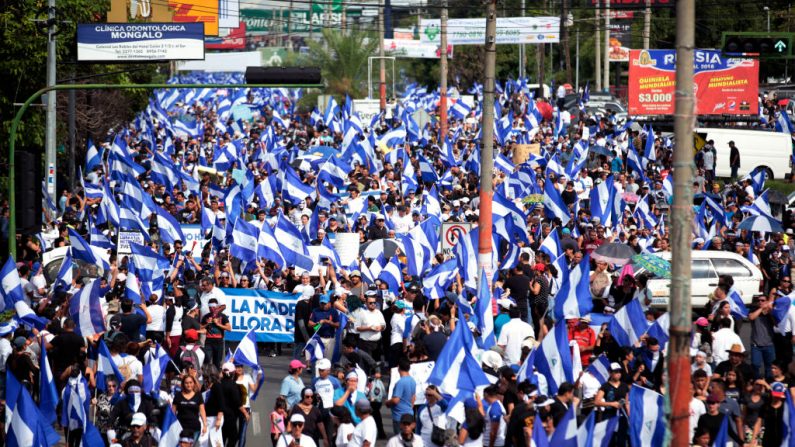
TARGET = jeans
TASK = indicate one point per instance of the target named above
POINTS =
(762, 356)
(734, 171)
(215, 352)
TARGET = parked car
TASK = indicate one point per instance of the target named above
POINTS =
(52, 260)
(706, 266)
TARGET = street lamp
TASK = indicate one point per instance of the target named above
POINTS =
(767, 10)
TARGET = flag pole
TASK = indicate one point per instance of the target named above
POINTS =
(487, 143)
(681, 216)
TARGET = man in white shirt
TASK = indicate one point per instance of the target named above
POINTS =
(295, 437)
(512, 335)
(723, 340)
(366, 432)
(402, 221)
(305, 289)
(370, 325)
(156, 329)
(210, 291)
(406, 437)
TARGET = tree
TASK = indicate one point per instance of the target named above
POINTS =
(343, 60)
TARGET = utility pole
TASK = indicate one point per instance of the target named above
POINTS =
(443, 77)
(521, 50)
(577, 62)
(597, 48)
(49, 152)
(72, 126)
(564, 37)
(487, 144)
(647, 25)
(381, 62)
(681, 216)
(290, 24)
(606, 81)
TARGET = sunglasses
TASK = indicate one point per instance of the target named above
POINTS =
(371, 303)
(298, 424)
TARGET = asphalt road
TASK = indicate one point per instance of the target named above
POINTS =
(275, 369)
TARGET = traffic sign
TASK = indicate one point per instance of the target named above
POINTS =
(761, 45)
(451, 232)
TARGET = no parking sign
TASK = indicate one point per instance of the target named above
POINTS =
(451, 232)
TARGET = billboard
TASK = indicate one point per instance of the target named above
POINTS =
(171, 11)
(510, 30)
(197, 11)
(128, 42)
(620, 35)
(235, 40)
(723, 86)
(406, 48)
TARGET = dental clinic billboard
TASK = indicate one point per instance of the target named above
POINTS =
(136, 42)
(722, 85)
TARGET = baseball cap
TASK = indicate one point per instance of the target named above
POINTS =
(296, 417)
(400, 304)
(615, 367)
(356, 273)
(138, 419)
(352, 375)
(703, 322)
(407, 419)
(324, 299)
(20, 342)
(713, 398)
(363, 405)
(323, 364)
(191, 335)
(295, 364)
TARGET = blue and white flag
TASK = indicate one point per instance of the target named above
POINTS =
(565, 434)
(391, 274)
(93, 156)
(150, 268)
(25, 426)
(591, 434)
(48, 395)
(156, 361)
(291, 245)
(169, 433)
(245, 238)
(603, 198)
(788, 432)
(14, 296)
(758, 176)
(551, 245)
(553, 357)
(246, 355)
(646, 418)
(106, 367)
(436, 282)
(539, 437)
(554, 205)
(314, 349)
(573, 299)
(783, 123)
(86, 311)
(456, 369)
(82, 250)
(459, 110)
(736, 304)
(170, 229)
(722, 437)
(293, 189)
(781, 307)
(268, 248)
(629, 323)
(600, 369)
(660, 329)
(63, 281)
(484, 313)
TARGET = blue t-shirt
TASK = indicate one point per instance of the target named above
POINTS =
(325, 330)
(350, 402)
(291, 390)
(405, 388)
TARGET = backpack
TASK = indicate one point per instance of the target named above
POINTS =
(189, 355)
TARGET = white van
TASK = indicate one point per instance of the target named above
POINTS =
(757, 148)
(706, 266)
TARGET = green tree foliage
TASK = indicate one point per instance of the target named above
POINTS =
(343, 60)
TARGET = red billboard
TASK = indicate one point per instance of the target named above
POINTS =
(723, 86)
(235, 40)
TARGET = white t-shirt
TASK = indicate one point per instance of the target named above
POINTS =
(342, 434)
(721, 342)
(5, 352)
(366, 430)
(402, 224)
(216, 293)
(158, 314)
(371, 318)
(398, 324)
(397, 441)
(429, 418)
(129, 366)
(176, 326)
(325, 389)
(286, 439)
(511, 336)
(697, 408)
(306, 291)
(590, 385)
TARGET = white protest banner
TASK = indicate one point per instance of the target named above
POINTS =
(510, 30)
(193, 233)
(420, 373)
(125, 237)
(347, 246)
(270, 314)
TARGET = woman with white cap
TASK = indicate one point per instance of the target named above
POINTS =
(295, 437)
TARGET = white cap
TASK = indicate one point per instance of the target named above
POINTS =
(138, 419)
(323, 364)
(506, 303)
(615, 366)
(297, 418)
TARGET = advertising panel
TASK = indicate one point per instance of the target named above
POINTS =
(722, 86)
(235, 40)
(127, 42)
(406, 48)
(510, 30)
(620, 35)
(197, 11)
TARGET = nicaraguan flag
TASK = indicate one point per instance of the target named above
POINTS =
(82, 250)
(600, 369)
(484, 313)
(591, 434)
(553, 358)
(565, 434)
(14, 296)
(245, 238)
(554, 205)
(314, 349)
(573, 299)
(169, 433)
(456, 369)
(436, 282)
(459, 110)
(106, 367)
(646, 418)
(86, 311)
(48, 395)
(783, 123)
(629, 323)
(156, 361)
(170, 229)
(391, 274)
(602, 198)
